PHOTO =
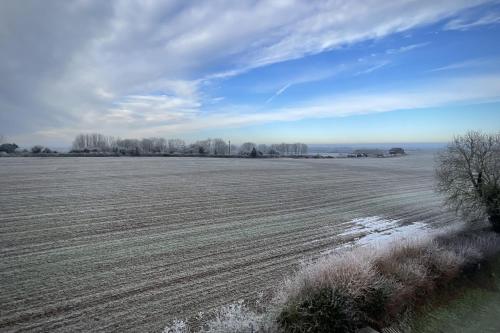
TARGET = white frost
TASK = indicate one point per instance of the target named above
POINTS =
(375, 230)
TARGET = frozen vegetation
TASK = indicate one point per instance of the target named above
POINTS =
(366, 285)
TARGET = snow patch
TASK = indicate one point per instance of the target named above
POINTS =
(374, 230)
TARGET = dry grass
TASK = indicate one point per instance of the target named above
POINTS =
(233, 318)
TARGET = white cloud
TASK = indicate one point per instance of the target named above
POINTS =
(92, 64)
(406, 48)
(471, 90)
(464, 23)
(279, 92)
(144, 109)
(373, 68)
(471, 63)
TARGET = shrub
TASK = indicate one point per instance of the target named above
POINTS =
(372, 305)
(231, 318)
(36, 149)
(235, 318)
(323, 310)
(8, 148)
(363, 286)
(377, 286)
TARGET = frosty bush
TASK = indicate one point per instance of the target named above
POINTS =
(347, 290)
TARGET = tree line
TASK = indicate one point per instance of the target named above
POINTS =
(12, 148)
(98, 143)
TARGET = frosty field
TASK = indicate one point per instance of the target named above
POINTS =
(128, 244)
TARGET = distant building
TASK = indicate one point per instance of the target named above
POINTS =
(368, 153)
(396, 151)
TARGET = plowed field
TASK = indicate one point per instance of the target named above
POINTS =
(127, 244)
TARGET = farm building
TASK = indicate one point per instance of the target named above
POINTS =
(396, 151)
(368, 153)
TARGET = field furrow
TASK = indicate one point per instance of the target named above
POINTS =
(127, 244)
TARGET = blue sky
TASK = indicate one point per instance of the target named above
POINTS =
(316, 72)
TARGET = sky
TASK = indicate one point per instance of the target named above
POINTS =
(317, 72)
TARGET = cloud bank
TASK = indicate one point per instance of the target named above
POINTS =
(140, 67)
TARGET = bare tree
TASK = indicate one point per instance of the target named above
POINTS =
(303, 148)
(129, 146)
(220, 147)
(234, 149)
(263, 148)
(206, 146)
(147, 145)
(153, 145)
(468, 174)
(176, 145)
(93, 141)
(2, 139)
(80, 142)
(159, 145)
(288, 149)
(246, 148)
(202, 147)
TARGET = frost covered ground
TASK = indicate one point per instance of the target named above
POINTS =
(375, 229)
(129, 244)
